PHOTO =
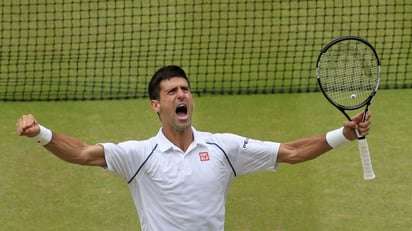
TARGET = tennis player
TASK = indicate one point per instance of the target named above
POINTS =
(180, 177)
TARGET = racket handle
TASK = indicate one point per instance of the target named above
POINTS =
(368, 173)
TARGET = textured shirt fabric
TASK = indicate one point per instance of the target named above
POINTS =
(176, 190)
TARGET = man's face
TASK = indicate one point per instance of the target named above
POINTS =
(175, 105)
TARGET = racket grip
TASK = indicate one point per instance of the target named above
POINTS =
(368, 173)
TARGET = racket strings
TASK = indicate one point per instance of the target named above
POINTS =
(348, 73)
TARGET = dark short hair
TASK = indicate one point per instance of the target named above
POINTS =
(163, 73)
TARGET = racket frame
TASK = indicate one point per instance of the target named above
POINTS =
(368, 100)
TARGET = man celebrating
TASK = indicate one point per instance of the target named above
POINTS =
(180, 177)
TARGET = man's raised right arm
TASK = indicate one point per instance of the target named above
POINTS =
(65, 147)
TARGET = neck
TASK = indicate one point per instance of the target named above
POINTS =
(180, 138)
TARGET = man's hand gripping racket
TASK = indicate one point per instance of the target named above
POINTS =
(348, 73)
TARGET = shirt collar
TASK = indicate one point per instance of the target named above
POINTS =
(165, 144)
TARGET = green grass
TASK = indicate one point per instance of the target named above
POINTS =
(40, 192)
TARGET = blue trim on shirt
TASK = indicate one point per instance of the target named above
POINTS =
(141, 166)
(227, 157)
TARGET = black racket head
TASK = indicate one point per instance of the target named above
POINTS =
(348, 72)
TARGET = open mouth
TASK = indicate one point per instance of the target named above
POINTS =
(181, 110)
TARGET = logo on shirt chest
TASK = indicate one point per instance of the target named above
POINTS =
(204, 156)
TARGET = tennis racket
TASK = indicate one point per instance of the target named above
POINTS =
(348, 73)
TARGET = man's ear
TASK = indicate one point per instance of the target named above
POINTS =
(155, 105)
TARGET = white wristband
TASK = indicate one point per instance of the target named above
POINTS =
(336, 138)
(44, 136)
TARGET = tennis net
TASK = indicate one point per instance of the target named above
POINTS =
(96, 50)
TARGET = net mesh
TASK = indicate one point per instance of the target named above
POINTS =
(94, 50)
(348, 73)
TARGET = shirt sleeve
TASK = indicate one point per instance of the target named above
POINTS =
(124, 158)
(250, 155)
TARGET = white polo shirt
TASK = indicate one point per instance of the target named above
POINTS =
(176, 190)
